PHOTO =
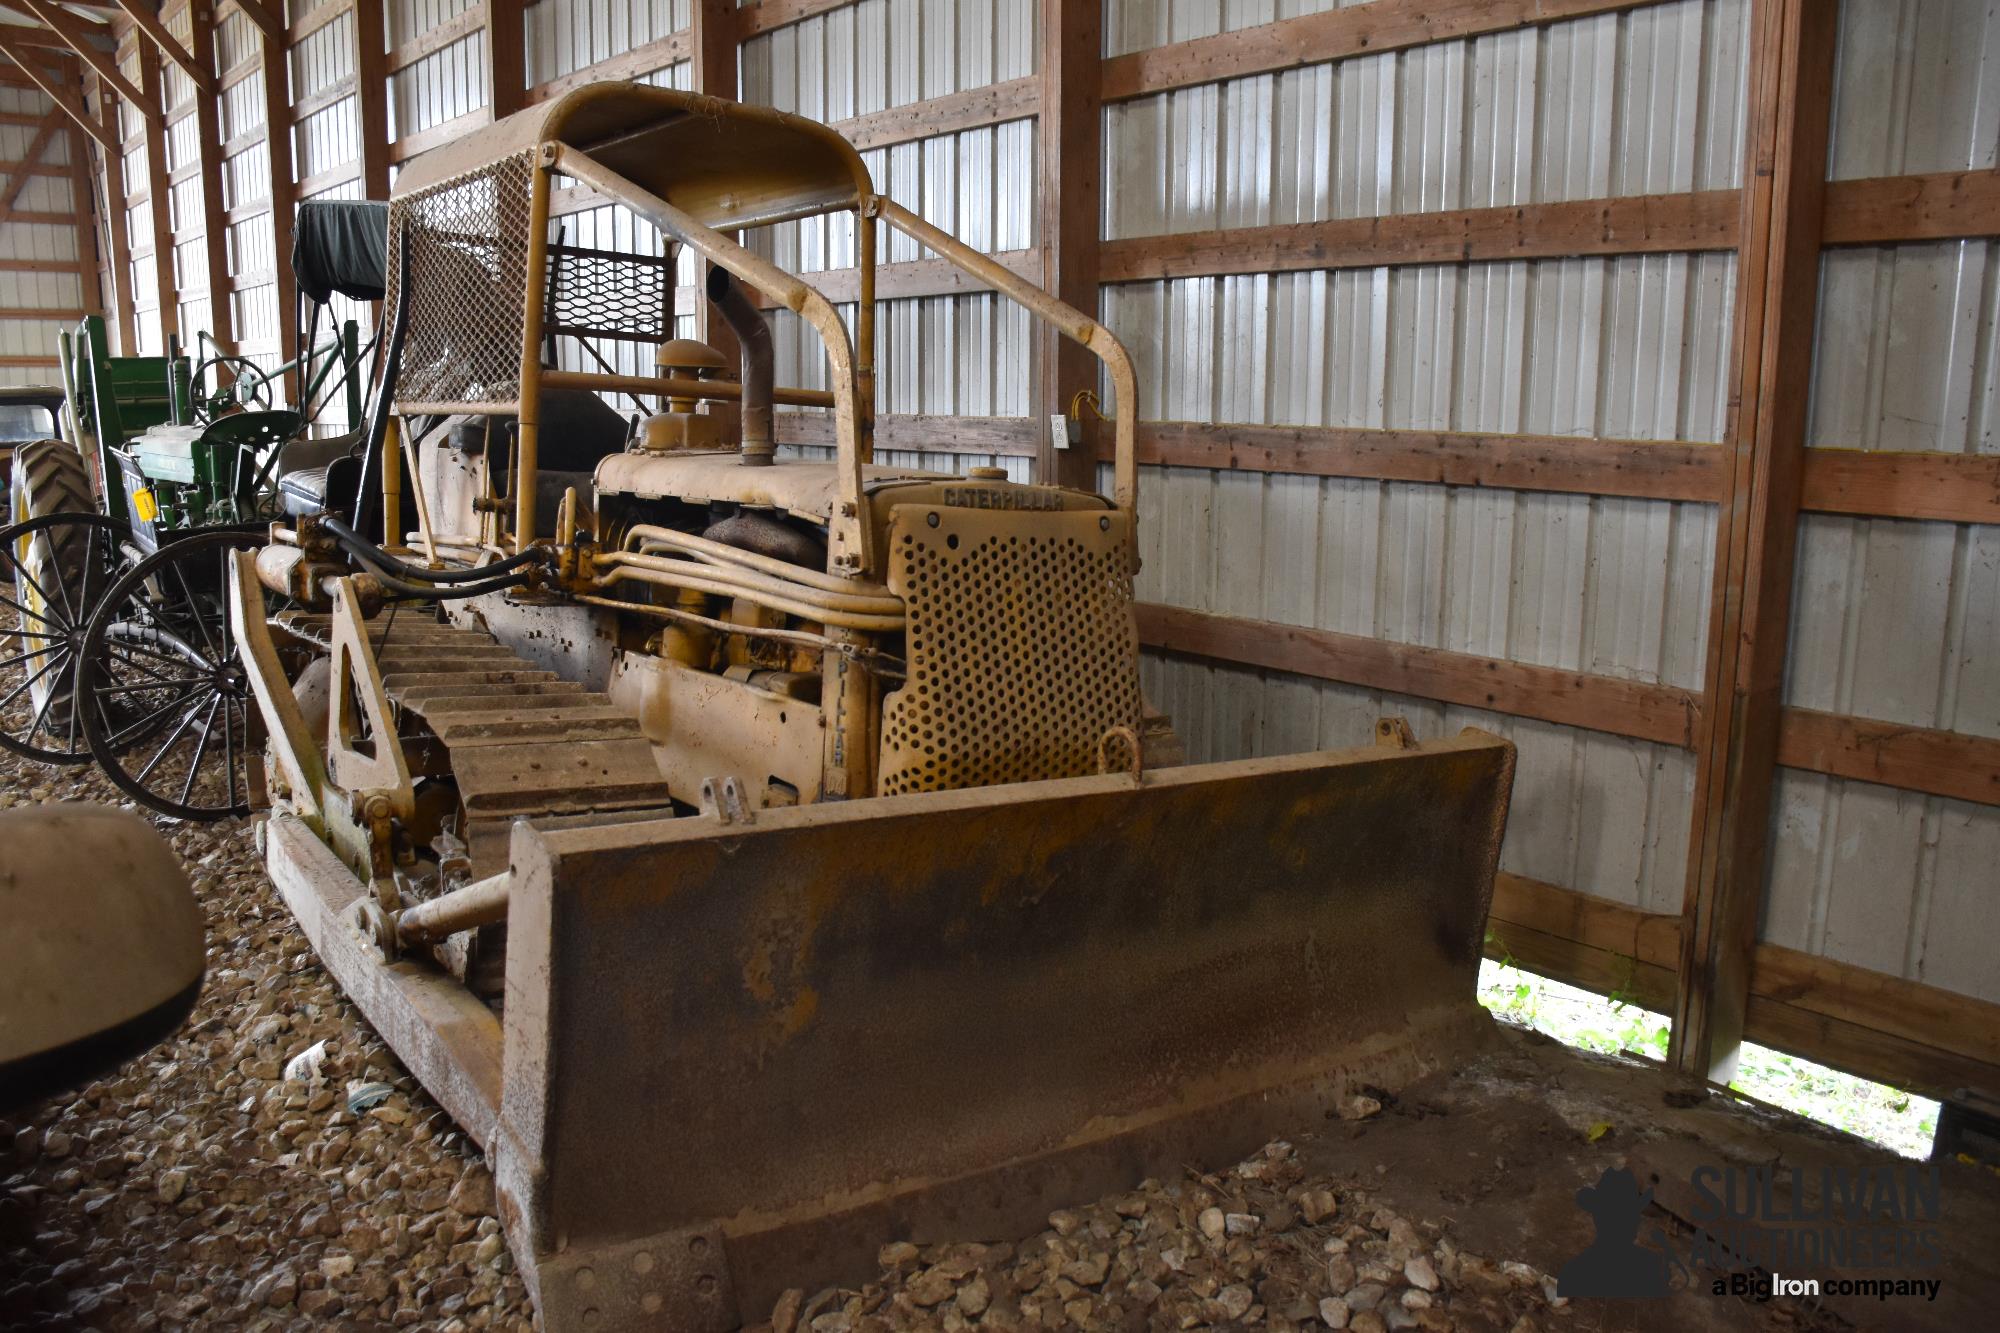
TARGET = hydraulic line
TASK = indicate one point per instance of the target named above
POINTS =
(383, 561)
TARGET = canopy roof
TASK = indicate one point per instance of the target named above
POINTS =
(727, 164)
(341, 245)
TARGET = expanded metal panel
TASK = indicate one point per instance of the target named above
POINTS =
(468, 245)
(1022, 648)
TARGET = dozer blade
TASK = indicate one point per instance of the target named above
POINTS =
(738, 1057)
(741, 1057)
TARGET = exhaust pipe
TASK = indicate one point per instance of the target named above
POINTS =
(753, 333)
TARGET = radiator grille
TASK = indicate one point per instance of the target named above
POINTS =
(1023, 650)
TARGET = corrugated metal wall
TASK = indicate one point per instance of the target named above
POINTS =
(1635, 347)
(1895, 619)
(22, 338)
(946, 354)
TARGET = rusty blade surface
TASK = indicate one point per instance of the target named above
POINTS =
(740, 1057)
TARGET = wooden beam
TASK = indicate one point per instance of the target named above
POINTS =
(1871, 1024)
(371, 98)
(668, 50)
(70, 28)
(148, 22)
(1608, 704)
(1942, 205)
(1942, 763)
(506, 56)
(208, 164)
(972, 109)
(415, 145)
(158, 203)
(1582, 940)
(1069, 199)
(117, 226)
(1365, 30)
(89, 230)
(266, 19)
(1633, 224)
(1791, 93)
(314, 19)
(455, 29)
(52, 86)
(769, 14)
(28, 362)
(946, 436)
(67, 314)
(1577, 465)
(711, 46)
(20, 173)
(1946, 488)
(911, 278)
(273, 84)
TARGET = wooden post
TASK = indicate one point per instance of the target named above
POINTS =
(1069, 133)
(1777, 279)
(273, 85)
(158, 197)
(371, 96)
(712, 51)
(117, 231)
(208, 148)
(506, 56)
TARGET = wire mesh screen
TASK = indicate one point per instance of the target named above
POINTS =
(468, 244)
(609, 294)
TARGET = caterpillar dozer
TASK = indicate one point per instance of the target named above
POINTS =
(767, 853)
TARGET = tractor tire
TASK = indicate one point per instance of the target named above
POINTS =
(49, 478)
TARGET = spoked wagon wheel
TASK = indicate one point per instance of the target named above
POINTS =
(172, 720)
(54, 570)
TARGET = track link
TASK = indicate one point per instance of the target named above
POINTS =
(522, 741)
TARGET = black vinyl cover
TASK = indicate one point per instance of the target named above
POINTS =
(341, 245)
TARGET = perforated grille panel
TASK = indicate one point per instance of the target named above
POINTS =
(468, 239)
(1023, 650)
(598, 294)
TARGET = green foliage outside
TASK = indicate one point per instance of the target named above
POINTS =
(1895, 1119)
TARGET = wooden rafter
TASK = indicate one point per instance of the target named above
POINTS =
(25, 172)
(261, 15)
(52, 84)
(148, 22)
(70, 28)
(1791, 96)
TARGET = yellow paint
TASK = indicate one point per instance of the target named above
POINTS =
(143, 502)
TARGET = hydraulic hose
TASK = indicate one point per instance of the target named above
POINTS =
(386, 563)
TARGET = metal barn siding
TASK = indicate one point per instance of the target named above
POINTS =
(564, 36)
(1635, 347)
(21, 335)
(439, 87)
(950, 354)
(1899, 620)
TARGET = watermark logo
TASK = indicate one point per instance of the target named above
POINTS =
(1755, 1228)
(1616, 1264)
